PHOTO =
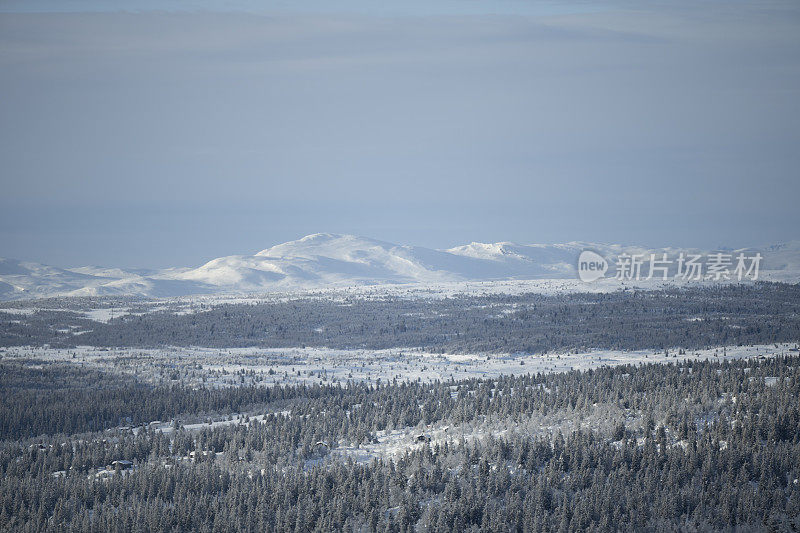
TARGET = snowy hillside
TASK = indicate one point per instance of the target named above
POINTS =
(330, 260)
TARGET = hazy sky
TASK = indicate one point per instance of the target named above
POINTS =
(164, 138)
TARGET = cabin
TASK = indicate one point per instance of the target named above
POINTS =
(197, 456)
(121, 464)
(321, 448)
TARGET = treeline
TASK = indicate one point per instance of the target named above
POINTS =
(63, 398)
(692, 317)
(702, 446)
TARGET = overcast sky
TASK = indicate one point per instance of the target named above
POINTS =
(163, 138)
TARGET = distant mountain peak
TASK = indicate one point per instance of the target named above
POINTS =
(323, 260)
(327, 244)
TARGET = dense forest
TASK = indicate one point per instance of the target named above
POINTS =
(687, 446)
(693, 317)
(69, 399)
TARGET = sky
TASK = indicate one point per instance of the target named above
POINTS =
(157, 134)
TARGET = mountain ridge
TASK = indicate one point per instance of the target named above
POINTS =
(322, 260)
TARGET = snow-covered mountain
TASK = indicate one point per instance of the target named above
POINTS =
(331, 260)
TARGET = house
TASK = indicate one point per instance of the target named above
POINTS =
(121, 464)
(197, 456)
(321, 447)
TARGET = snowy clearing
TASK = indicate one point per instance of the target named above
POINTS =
(285, 366)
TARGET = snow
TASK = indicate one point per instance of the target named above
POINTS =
(106, 314)
(325, 261)
(229, 367)
(394, 443)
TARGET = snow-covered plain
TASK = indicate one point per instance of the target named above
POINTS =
(106, 308)
(285, 366)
